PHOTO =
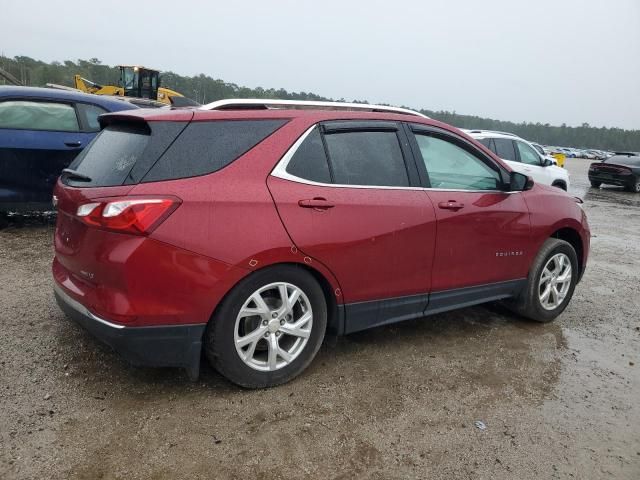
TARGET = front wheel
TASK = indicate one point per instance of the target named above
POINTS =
(269, 327)
(551, 282)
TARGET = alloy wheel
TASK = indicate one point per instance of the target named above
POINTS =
(555, 281)
(273, 326)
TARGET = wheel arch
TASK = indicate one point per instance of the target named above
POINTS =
(560, 184)
(335, 315)
(572, 237)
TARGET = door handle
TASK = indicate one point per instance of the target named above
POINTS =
(451, 205)
(73, 144)
(317, 203)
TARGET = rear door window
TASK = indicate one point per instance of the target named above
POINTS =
(367, 158)
(505, 149)
(206, 147)
(30, 115)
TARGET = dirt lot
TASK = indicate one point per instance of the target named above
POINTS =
(558, 400)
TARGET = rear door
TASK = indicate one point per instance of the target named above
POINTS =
(349, 196)
(37, 140)
(482, 231)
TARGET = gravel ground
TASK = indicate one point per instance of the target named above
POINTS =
(557, 400)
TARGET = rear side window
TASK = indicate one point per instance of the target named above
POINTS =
(28, 115)
(205, 147)
(91, 114)
(505, 149)
(310, 160)
(109, 158)
(488, 142)
(367, 158)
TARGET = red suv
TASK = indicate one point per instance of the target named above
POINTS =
(251, 232)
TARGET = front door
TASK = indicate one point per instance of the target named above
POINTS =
(532, 164)
(482, 231)
(349, 201)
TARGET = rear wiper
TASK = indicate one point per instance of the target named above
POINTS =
(74, 175)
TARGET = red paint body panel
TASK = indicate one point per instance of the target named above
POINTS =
(378, 242)
(485, 241)
(552, 209)
(374, 243)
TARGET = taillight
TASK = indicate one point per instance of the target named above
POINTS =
(139, 216)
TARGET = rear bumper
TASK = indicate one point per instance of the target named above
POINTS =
(157, 346)
(621, 180)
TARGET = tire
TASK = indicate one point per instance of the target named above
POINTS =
(634, 187)
(271, 323)
(560, 185)
(595, 184)
(529, 303)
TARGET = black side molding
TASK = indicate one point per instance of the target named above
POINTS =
(465, 297)
(364, 315)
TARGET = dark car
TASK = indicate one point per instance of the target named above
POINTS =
(41, 131)
(250, 233)
(622, 170)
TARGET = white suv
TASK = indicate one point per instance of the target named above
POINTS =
(522, 157)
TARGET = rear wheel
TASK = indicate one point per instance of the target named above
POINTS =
(551, 282)
(269, 327)
(595, 184)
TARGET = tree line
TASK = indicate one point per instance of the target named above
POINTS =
(204, 89)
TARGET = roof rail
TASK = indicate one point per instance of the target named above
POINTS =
(474, 130)
(264, 104)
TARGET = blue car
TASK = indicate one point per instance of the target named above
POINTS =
(41, 132)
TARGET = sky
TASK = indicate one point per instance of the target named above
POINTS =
(548, 61)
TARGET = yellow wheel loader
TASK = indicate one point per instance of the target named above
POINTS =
(139, 82)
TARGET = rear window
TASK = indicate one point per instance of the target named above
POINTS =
(130, 153)
(109, 158)
(206, 147)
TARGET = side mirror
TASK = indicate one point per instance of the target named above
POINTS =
(546, 162)
(519, 182)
